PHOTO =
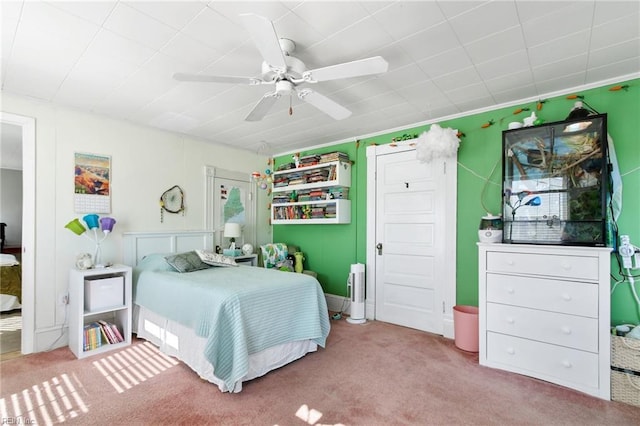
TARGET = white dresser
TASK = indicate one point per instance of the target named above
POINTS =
(545, 313)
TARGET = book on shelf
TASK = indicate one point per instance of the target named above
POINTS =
(334, 156)
(106, 328)
(99, 333)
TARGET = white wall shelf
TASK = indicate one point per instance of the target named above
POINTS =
(118, 313)
(328, 181)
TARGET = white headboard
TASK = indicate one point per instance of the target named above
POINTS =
(137, 245)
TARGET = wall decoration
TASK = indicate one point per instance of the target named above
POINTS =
(92, 183)
(171, 201)
(437, 143)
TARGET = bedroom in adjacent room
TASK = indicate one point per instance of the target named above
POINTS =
(10, 241)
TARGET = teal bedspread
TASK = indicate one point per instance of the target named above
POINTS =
(239, 310)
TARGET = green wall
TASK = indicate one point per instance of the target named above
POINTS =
(331, 249)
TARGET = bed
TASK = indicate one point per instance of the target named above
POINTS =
(228, 324)
(10, 283)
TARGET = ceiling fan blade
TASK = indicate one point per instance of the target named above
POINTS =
(216, 79)
(262, 107)
(324, 104)
(374, 65)
(265, 38)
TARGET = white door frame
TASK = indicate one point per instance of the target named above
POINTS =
(211, 213)
(451, 179)
(28, 125)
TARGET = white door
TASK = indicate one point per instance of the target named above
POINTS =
(409, 240)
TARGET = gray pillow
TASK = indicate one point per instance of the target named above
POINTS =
(186, 262)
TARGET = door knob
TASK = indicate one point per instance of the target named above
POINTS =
(379, 247)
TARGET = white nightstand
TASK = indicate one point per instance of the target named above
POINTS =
(99, 294)
(251, 259)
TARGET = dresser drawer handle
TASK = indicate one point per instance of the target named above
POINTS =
(511, 351)
(566, 266)
(510, 290)
(567, 297)
(566, 364)
(566, 330)
(510, 320)
(510, 262)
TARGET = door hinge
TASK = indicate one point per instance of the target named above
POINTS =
(444, 168)
(443, 306)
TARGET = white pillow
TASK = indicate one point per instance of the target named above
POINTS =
(215, 259)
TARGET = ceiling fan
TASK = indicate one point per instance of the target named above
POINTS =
(288, 73)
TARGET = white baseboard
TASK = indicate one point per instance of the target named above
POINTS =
(341, 304)
(338, 303)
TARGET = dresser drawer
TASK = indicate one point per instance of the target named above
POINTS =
(550, 327)
(542, 293)
(545, 361)
(575, 267)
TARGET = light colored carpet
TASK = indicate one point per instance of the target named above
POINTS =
(372, 374)
(10, 332)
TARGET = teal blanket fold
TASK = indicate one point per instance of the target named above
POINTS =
(239, 310)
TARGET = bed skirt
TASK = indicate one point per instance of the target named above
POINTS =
(181, 342)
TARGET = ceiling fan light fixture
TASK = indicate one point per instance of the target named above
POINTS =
(284, 86)
(287, 72)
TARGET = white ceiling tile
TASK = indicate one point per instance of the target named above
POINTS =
(134, 25)
(244, 61)
(322, 15)
(616, 31)
(9, 18)
(175, 14)
(401, 19)
(292, 27)
(27, 80)
(516, 92)
(356, 42)
(613, 70)
(191, 55)
(111, 45)
(566, 66)
(511, 81)
(271, 10)
(60, 30)
(496, 45)
(216, 31)
(612, 10)
(470, 104)
(445, 63)
(613, 54)
(558, 49)
(430, 42)
(530, 10)
(562, 82)
(461, 78)
(93, 78)
(458, 95)
(395, 55)
(94, 11)
(499, 16)
(173, 122)
(571, 19)
(504, 65)
(405, 76)
(452, 9)
(375, 5)
(424, 95)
